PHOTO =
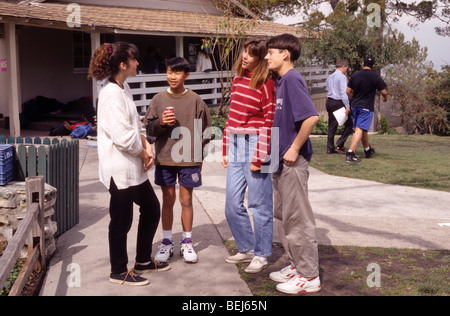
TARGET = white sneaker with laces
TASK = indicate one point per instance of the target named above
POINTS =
(299, 284)
(240, 257)
(257, 265)
(165, 251)
(284, 275)
(188, 252)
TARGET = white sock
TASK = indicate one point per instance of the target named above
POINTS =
(185, 235)
(366, 148)
(167, 234)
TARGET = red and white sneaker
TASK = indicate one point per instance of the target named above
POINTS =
(284, 275)
(299, 284)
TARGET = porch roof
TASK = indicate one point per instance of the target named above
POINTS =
(121, 19)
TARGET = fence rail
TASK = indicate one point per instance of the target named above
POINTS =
(58, 162)
(207, 85)
(33, 222)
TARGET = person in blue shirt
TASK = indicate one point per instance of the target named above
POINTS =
(295, 117)
(337, 98)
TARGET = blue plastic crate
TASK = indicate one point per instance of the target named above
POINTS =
(6, 163)
(6, 152)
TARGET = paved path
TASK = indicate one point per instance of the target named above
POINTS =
(348, 212)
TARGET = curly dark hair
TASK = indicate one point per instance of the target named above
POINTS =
(107, 59)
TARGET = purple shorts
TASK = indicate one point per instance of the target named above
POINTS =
(362, 118)
(188, 177)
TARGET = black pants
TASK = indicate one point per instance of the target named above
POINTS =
(333, 105)
(121, 212)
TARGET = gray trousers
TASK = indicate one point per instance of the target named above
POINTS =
(294, 217)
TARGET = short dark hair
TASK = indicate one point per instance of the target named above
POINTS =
(179, 64)
(288, 42)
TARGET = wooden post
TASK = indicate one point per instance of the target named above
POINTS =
(14, 82)
(35, 214)
(36, 194)
(95, 43)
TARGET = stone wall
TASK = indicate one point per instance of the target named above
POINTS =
(13, 208)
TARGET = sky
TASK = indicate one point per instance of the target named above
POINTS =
(438, 46)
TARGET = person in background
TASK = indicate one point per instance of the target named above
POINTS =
(361, 91)
(337, 99)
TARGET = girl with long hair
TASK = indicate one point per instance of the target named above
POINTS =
(245, 150)
(125, 156)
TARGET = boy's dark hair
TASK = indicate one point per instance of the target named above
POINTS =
(288, 42)
(179, 64)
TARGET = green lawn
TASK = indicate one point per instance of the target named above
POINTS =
(414, 160)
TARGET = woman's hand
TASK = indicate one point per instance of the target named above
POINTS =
(146, 154)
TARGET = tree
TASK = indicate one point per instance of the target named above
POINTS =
(348, 33)
(392, 9)
(226, 45)
(421, 94)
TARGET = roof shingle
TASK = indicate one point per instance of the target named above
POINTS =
(144, 20)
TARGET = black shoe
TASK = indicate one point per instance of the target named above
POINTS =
(154, 266)
(341, 150)
(351, 157)
(332, 151)
(128, 278)
(369, 153)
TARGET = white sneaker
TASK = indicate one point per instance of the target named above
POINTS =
(299, 284)
(240, 257)
(188, 252)
(284, 275)
(165, 251)
(257, 265)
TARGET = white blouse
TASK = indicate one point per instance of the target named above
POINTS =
(119, 131)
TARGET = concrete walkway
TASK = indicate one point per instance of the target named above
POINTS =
(348, 212)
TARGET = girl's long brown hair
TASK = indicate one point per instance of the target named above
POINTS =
(257, 48)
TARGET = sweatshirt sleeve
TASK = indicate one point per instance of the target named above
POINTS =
(116, 123)
(205, 116)
(152, 119)
(268, 107)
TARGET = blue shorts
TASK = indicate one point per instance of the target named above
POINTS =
(362, 118)
(188, 177)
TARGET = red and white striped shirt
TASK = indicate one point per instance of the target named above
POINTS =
(252, 111)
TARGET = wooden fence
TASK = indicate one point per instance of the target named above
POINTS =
(207, 85)
(31, 226)
(58, 162)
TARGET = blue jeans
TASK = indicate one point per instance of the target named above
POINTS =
(260, 200)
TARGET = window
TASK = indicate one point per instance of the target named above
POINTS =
(81, 52)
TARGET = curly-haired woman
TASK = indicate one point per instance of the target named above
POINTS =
(124, 158)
